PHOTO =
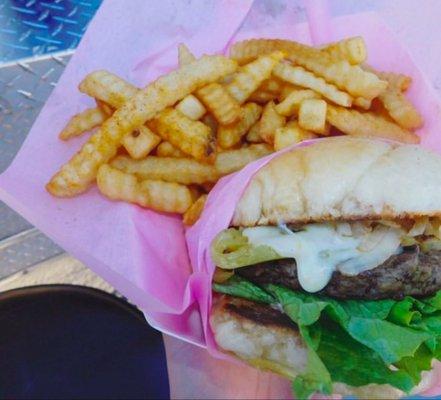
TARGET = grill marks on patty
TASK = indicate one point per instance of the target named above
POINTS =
(258, 312)
(411, 273)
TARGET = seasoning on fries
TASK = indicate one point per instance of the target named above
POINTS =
(141, 142)
(80, 172)
(108, 88)
(252, 75)
(82, 122)
(165, 145)
(230, 135)
(191, 137)
(219, 102)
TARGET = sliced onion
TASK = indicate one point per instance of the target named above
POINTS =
(344, 229)
(379, 234)
(419, 227)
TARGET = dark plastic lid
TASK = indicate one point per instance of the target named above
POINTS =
(62, 341)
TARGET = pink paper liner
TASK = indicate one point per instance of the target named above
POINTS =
(142, 253)
(319, 20)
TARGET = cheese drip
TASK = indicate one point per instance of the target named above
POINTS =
(321, 249)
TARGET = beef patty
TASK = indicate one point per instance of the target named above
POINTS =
(264, 314)
(411, 273)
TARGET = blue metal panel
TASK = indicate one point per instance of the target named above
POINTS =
(32, 27)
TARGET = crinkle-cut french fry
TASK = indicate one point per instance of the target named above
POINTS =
(290, 134)
(83, 122)
(401, 109)
(300, 77)
(76, 176)
(182, 170)
(157, 195)
(194, 212)
(185, 56)
(351, 49)
(327, 130)
(270, 121)
(253, 135)
(140, 142)
(363, 103)
(225, 80)
(191, 137)
(378, 108)
(229, 135)
(191, 107)
(367, 124)
(196, 191)
(395, 80)
(211, 122)
(312, 115)
(261, 97)
(107, 87)
(400, 82)
(251, 76)
(286, 90)
(220, 103)
(166, 149)
(272, 85)
(291, 104)
(248, 50)
(350, 78)
(347, 77)
(104, 107)
(233, 160)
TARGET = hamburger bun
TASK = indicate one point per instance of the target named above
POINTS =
(245, 330)
(343, 178)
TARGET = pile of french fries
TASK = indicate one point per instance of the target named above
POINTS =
(165, 146)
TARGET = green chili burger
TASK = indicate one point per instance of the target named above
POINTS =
(330, 273)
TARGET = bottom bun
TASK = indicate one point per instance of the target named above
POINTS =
(266, 339)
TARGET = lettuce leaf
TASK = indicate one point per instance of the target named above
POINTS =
(239, 287)
(354, 364)
(355, 342)
(392, 342)
(422, 361)
(316, 377)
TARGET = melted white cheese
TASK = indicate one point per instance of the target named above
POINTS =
(321, 249)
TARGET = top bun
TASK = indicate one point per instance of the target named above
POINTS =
(343, 178)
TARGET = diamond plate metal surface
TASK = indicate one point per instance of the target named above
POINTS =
(24, 88)
(35, 27)
(25, 249)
